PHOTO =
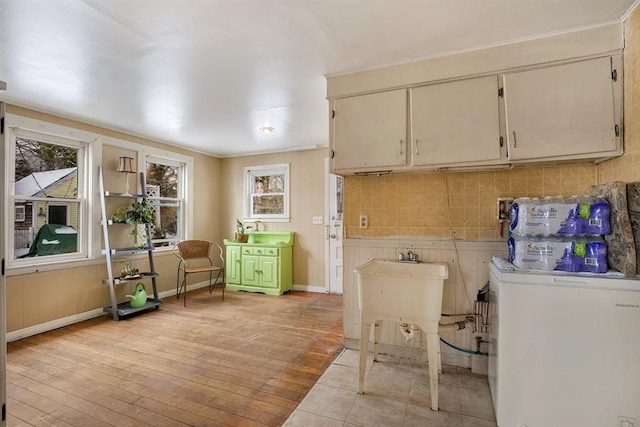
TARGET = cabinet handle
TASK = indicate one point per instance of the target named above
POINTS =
(401, 151)
(417, 154)
(515, 142)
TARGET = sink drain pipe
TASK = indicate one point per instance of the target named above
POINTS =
(410, 330)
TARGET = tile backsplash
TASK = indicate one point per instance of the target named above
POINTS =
(461, 206)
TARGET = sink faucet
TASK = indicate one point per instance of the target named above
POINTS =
(412, 256)
(257, 224)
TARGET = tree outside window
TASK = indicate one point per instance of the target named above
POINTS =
(164, 188)
(267, 192)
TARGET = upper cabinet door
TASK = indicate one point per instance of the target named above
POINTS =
(370, 131)
(456, 123)
(565, 111)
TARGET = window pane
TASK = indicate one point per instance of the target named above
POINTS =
(268, 205)
(268, 184)
(165, 177)
(45, 170)
(163, 188)
(46, 190)
(167, 227)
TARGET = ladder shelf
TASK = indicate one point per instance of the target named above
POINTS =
(122, 309)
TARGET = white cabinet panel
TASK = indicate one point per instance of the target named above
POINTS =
(456, 123)
(564, 111)
(370, 131)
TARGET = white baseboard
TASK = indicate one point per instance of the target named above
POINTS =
(54, 324)
(315, 289)
(81, 317)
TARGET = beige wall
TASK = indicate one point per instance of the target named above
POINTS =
(307, 200)
(45, 296)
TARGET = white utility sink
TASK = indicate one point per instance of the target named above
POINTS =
(404, 293)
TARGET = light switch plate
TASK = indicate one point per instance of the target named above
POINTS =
(317, 220)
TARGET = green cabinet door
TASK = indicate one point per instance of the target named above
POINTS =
(250, 270)
(233, 265)
(269, 272)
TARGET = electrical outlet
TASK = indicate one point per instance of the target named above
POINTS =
(317, 220)
(504, 205)
(364, 221)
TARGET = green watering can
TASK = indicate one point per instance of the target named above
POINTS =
(139, 297)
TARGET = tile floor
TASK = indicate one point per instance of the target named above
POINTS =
(396, 394)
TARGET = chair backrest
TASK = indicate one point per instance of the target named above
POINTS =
(194, 249)
(191, 249)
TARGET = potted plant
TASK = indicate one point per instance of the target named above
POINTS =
(240, 236)
(142, 212)
(120, 215)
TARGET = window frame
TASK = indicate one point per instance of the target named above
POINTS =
(274, 169)
(184, 163)
(22, 216)
(21, 127)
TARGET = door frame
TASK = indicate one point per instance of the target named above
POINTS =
(3, 294)
(327, 227)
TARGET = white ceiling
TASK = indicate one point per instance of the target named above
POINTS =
(207, 74)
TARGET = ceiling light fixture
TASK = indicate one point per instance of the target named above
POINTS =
(267, 129)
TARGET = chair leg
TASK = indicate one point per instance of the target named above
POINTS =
(184, 282)
(212, 285)
(178, 285)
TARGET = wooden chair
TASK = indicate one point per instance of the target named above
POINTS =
(197, 256)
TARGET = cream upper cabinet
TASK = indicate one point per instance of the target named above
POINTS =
(369, 132)
(567, 111)
(456, 123)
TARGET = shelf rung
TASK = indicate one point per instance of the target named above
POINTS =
(125, 309)
(119, 280)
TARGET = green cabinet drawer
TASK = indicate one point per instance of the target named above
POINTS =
(266, 251)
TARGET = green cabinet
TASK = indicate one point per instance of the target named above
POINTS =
(263, 264)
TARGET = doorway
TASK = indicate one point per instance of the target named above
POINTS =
(334, 231)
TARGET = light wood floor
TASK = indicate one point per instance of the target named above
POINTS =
(245, 361)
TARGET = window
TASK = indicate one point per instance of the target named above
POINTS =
(48, 198)
(165, 188)
(267, 192)
(20, 210)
